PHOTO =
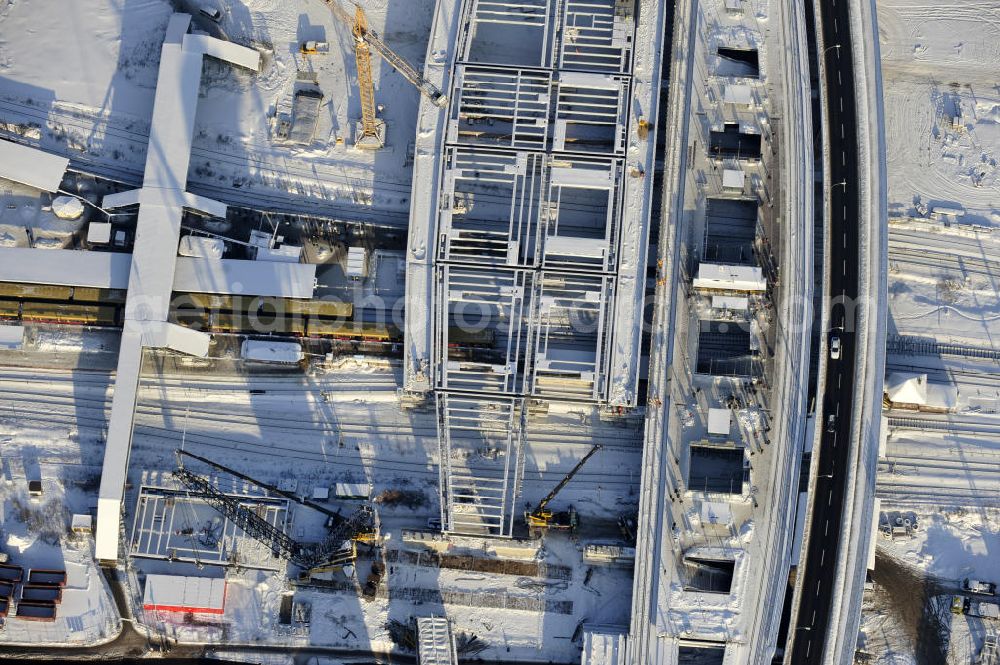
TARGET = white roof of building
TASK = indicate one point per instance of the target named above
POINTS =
(108, 270)
(734, 303)
(283, 254)
(82, 522)
(716, 512)
(352, 489)
(730, 277)
(181, 593)
(272, 352)
(906, 388)
(205, 248)
(593, 248)
(719, 421)
(31, 166)
(737, 93)
(604, 645)
(357, 258)
(232, 53)
(733, 178)
(236, 276)
(99, 233)
(163, 335)
(11, 337)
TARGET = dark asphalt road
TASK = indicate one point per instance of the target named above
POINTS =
(824, 540)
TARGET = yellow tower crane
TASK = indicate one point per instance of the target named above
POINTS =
(371, 131)
(372, 135)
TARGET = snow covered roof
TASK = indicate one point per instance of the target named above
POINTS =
(30, 166)
(604, 645)
(205, 248)
(733, 178)
(163, 335)
(734, 303)
(110, 270)
(357, 259)
(236, 276)
(906, 388)
(716, 512)
(68, 267)
(176, 593)
(11, 337)
(737, 94)
(273, 352)
(730, 277)
(99, 233)
(352, 490)
(719, 421)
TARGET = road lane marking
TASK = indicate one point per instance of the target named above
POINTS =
(813, 622)
(838, 408)
(844, 214)
(843, 158)
(822, 558)
(819, 583)
(840, 376)
(841, 132)
(841, 99)
(845, 241)
(839, 81)
(829, 500)
(826, 527)
(845, 267)
(835, 28)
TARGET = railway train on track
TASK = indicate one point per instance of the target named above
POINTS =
(320, 319)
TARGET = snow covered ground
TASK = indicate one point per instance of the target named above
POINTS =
(319, 428)
(943, 144)
(35, 534)
(943, 129)
(951, 544)
(84, 81)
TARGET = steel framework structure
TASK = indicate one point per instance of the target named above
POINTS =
(252, 524)
(528, 233)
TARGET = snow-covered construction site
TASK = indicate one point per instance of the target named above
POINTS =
(343, 332)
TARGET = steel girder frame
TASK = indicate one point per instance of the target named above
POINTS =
(570, 329)
(479, 477)
(470, 298)
(529, 234)
(494, 200)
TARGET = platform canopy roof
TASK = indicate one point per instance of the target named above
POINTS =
(31, 166)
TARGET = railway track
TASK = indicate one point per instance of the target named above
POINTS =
(266, 202)
(914, 346)
(278, 200)
(903, 492)
(950, 425)
(927, 258)
(95, 417)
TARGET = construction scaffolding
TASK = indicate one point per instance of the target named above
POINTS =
(526, 231)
